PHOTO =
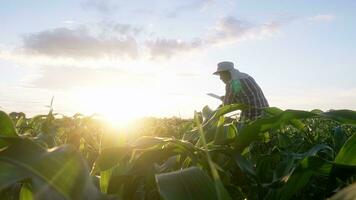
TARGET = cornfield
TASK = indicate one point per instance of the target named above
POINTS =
(286, 154)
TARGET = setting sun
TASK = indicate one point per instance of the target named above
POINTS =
(118, 105)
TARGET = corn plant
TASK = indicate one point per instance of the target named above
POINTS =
(289, 154)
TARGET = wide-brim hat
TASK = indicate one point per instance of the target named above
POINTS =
(224, 66)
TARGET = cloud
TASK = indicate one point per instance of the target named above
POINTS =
(113, 40)
(101, 6)
(190, 6)
(114, 28)
(78, 43)
(231, 30)
(228, 30)
(323, 18)
(169, 47)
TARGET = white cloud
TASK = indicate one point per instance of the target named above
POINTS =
(191, 5)
(78, 43)
(112, 28)
(227, 31)
(232, 30)
(170, 47)
(112, 40)
(101, 6)
(323, 18)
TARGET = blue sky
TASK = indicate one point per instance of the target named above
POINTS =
(156, 57)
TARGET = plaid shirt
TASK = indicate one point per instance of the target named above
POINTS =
(249, 93)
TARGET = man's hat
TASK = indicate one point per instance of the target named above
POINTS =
(224, 66)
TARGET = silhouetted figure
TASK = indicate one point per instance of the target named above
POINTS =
(242, 89)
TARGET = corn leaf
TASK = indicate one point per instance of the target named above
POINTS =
(60, 173)
(189, 184)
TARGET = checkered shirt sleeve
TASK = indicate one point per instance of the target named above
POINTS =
(250, 94)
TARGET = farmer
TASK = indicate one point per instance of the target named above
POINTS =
(242, 89)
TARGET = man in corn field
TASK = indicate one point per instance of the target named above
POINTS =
(241, 89)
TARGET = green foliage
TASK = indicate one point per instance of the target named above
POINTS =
(7, 129)
(289, 154)
(60, 173)
(346, 156)
(191, 183)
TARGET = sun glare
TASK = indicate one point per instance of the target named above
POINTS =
(118, 106)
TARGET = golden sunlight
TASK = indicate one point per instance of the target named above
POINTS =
(118, 106)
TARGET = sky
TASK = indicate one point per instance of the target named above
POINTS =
(128, 59)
